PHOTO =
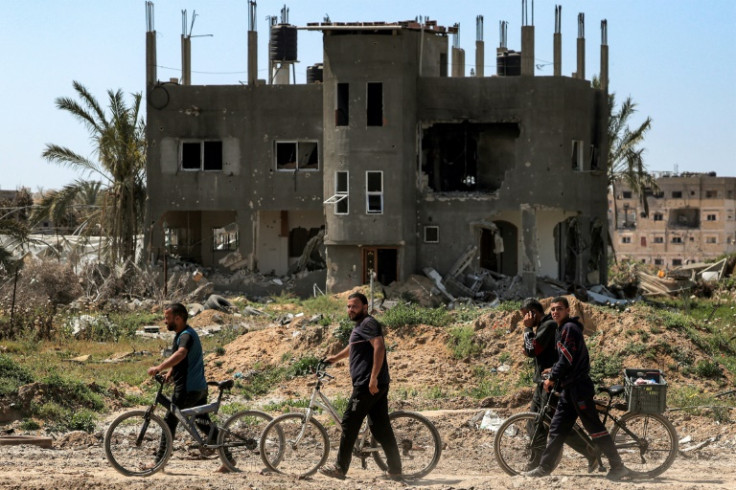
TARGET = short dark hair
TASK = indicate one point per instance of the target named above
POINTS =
(532, 304)
(178, 309)
(360, 296)
(563, 300)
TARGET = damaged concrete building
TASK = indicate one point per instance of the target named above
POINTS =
(404, 167)
(691, 218)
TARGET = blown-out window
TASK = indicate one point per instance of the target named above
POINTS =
(296, 155)
(201, 155)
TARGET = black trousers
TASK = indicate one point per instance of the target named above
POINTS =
(576, 400)
(361, 405)
(187, 399)
(539, 400)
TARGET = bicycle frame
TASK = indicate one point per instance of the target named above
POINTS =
(185, 416)
(320, 400)
(606, 411)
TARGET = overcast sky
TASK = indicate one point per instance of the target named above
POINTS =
(677, 59)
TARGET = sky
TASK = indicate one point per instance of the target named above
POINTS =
(675, 58)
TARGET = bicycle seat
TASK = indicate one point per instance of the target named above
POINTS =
(222, 385)
(613, 390)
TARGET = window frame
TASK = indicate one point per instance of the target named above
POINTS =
(369, 194)
(203, 152)
(345, 193)
(297, 151)
(427, 228)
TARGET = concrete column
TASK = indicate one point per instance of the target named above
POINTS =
(557, 47)
(252, 57)
(151, 76)
(580, 73)
(458, 62)
(531, 254)
(527, 51)
(186, 60)
(479, 58)
(604, 68)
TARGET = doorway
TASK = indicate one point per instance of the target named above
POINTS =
(499, 248)
(383, 261)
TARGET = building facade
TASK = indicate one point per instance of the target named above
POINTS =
(691, 218)
(402, 166)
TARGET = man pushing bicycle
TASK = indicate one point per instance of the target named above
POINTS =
(187, 372)
(369, 373)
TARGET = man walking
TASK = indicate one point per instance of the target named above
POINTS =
(187, 372)
(572, 370)
(540, 345)
(369, 374)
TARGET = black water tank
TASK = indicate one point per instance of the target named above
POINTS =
(314, 73)
(283, 43)
(508, 64)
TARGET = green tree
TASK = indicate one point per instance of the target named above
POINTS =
(120, 150)
(625, 153)
(14, 228)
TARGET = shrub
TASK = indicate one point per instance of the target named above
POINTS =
(72, 393)
(342, 331)
(305, 365)
(463, 343)
(708, 369)
(409, 314)
(12, 376)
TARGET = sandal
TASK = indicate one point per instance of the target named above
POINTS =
(332, 471)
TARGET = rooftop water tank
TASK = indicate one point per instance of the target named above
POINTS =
(314, 73)
(283, 43)
(508, 64)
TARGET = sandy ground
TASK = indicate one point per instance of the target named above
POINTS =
(467, 463)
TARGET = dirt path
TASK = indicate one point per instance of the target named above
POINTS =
(467, 462)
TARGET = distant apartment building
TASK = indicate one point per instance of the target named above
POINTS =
(403, 166)
(692, 218)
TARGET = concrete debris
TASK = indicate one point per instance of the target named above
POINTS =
(216, 302)
(82, 324)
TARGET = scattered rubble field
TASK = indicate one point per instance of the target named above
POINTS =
(420, 361)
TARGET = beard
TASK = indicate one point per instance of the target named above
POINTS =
(170, 327)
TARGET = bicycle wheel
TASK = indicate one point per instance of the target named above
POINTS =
(514, 444)
(284, 451)
(239, 440)
(420, 444)
(656, 448)
(132, 440)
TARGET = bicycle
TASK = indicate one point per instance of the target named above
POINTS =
(646, 442)
(307, 444)
(132, 440)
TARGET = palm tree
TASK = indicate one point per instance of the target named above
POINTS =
(120, 148)
(625, 156)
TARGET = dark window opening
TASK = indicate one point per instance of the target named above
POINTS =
(293, 155)
(711, 194)
(431, 234)
(676, 194)
(341, 189)
(374, 112)
(298, 238)
(577, 155)
(374, 192)
(342, 113)
(383, 262)
(684, 218)
(285, 156)
(677, 262)
(468, 157)
(213, 155)
(658, 217)
(443, 64)
(626, 194)
(676, 239)
(190, 156)
(201, 155)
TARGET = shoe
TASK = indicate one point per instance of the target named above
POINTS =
(333, 472)
(530, 466)
(390, 476)
(223, 469)
(618, 473)
(536, 472)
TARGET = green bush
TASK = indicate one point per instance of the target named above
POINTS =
(302, 367)
(708, 369)
(72, 393)
(405, 314)
(342, 331)
(463, 343)
(12, 376)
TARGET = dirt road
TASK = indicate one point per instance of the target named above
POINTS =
(467, 462)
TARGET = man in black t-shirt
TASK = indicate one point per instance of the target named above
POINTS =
(369, 373)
